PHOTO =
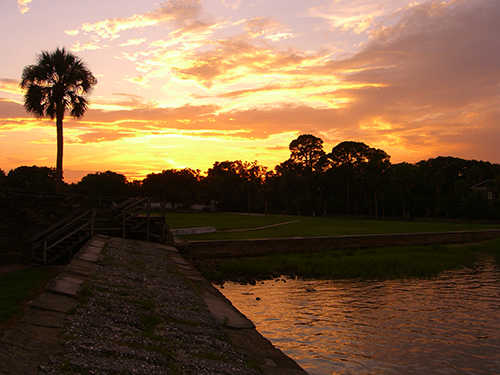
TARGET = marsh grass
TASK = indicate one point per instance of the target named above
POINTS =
(490, 247)
(364, 264)
(18, 287)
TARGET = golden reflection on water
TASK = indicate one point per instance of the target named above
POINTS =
(447, 325)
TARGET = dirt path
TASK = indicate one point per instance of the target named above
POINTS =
(258, 228)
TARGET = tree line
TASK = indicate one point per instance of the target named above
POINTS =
(352, 179)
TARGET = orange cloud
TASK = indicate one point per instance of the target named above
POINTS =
(87, 46)
(101, 136)
(10, 109)
(258, 26)
(237, 59)
(133, 42)
(356, 16)
(23, 5)
(10, 86)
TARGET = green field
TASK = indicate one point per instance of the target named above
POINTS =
(305, 227)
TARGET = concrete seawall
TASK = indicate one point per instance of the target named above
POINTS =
(260, 247)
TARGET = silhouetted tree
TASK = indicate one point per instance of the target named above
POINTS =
(176, 185)
(405, 189)
(295, 182)
(107, 183)
(283, 189)
(232, 183)
(450, 180)
(59, 81)
(254, 178)
(40, 179)
(359, 168)
(307, 151)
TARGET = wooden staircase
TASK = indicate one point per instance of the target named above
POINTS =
(137, 218)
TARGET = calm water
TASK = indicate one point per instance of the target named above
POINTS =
(448, 325)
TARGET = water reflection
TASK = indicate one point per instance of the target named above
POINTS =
(448, 325)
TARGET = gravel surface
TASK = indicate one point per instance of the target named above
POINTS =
(138, 315)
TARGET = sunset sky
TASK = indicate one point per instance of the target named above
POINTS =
(185, 83)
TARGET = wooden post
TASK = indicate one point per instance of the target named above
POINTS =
(164, 220)
(148, 214)
(123, 223)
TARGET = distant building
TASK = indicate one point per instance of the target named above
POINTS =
(177, 206)
(486, 189)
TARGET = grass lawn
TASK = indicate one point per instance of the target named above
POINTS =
(305, 227)
(18, 288)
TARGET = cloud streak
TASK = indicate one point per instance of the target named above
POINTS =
(10, 85)
(182, 13)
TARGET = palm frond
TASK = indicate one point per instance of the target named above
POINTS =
(58, 80)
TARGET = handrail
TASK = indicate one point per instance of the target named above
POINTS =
(135, 204)
(45, 247)
(127, 215)
(123, 204)
(83, 226)
(139, 209)
(61, 231)
(59, 223)
(55, 232)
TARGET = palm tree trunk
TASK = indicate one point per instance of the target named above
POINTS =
(59, 162)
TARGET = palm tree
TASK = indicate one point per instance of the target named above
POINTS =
(60, 81)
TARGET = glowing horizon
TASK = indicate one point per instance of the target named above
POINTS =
(186, 83)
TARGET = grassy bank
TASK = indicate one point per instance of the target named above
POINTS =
(490, 247)
(365, 264)
(305, 227)
(18, 288)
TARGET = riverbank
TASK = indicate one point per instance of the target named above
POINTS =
(383, 256)
(125, 306)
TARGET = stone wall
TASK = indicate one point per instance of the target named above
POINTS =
(252, 248)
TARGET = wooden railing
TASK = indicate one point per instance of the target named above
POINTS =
(150, 209)
(135, 216)
(71, 225)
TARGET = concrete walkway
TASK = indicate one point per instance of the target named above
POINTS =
(124, 306)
